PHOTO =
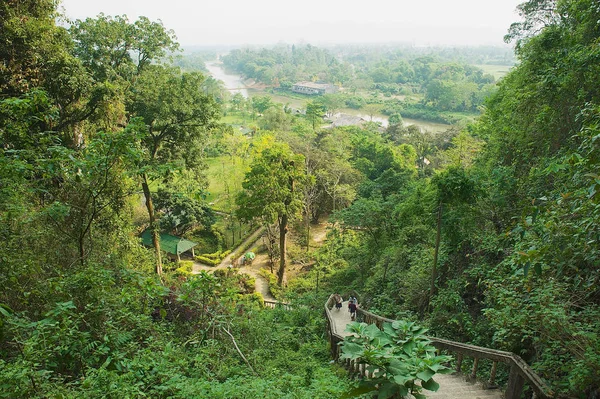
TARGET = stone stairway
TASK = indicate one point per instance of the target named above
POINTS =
(451, 386)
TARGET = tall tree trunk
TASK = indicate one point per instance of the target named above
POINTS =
(283, 229)
(437, 250)
(270, 240)
(385, 270)
(153, 224)
(308, 230)
(81, 250)
(333, 198)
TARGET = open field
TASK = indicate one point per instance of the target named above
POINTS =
(497, 71)
(225, 175)
(281, 98)
(236, 118)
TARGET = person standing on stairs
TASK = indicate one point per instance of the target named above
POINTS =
(338, 301)
(352, 305)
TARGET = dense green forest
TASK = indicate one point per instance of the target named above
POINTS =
(486, 233)
(505, 238)
(91, 116)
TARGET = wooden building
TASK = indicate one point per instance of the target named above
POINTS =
(312, 88)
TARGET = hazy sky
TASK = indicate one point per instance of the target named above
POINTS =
(419, 22)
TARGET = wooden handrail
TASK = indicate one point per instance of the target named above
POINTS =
(274, 304)
(520, 372)
(334, 336)
(515, 362)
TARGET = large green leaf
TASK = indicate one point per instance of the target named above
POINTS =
(430, 385)
(426, 374)
(359, 391)
(403, 391)
(382, 338)
(387, 390)
(409, 347)
(372, 331)
(351, 350)
(389, 330)
(398, 367)
(401, 379)
(436, 365)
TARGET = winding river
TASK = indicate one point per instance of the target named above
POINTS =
(233, 83)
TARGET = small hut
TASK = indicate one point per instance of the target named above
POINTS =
(172, 245)
(312, 88)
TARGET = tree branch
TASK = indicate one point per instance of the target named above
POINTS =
(239, 351)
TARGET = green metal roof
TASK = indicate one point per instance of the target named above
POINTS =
(168, 243)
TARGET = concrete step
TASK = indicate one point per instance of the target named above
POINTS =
(454, 386)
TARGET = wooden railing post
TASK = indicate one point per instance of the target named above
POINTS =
(491, 383)
(473, 376)
(515, 383)
(459, 359)
(334, 348)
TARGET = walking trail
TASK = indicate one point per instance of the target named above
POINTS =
(252, 270)
(452, 386)
(318, 235)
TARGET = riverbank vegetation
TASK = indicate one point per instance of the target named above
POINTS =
(429, 84)
(486, 233)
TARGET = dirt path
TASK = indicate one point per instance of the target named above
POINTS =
(318, 234)
(261, 261)
(245, 244)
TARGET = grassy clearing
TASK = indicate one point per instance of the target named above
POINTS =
(237, 118)
(497, 71)
(225, 176)
(297, 101)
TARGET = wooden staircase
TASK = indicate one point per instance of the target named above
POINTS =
(458, 385)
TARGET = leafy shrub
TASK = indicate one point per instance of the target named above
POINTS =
(355, 102)
(219, 255)
(207, 261)
(301, 285)
(399, 356)
(248, 283)
(208, 240)
(213, 256)
(274, 288)
(212, 259)
(255, 297)
(185, 268)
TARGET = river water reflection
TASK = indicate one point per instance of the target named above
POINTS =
(233, 83)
